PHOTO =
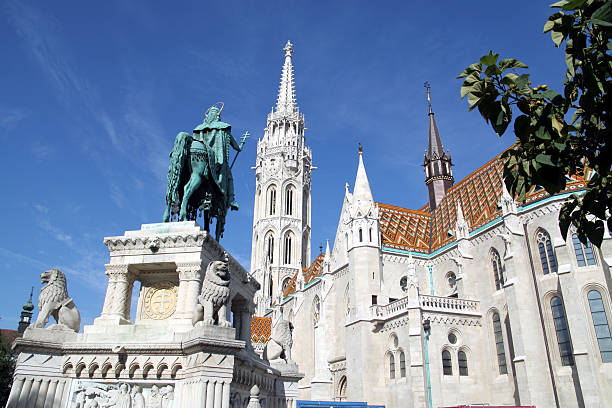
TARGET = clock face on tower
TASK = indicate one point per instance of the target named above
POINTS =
(160, 300)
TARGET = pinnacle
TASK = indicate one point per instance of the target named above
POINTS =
(286, 92)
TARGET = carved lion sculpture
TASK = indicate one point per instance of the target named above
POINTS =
(54, 301)
(279, 346)
(212, 303)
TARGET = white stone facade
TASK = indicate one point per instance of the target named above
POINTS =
(281, 221)
(469, 323)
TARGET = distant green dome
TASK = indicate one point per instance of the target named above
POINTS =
(28, 306)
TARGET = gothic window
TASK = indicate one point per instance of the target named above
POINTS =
(286, 283)
(347, 300)
(316, 310)
(360, 235)
(498, 270)
(563, 338)
(404, 283)
(370, 234)
(391, 366)
(447, 363)
(584, 252)
(271, 200)
(342, 388)
(547, 255)
(289, 200)
(463, 364)
(402, 358)
(288, 246)
(271, 289)
(270, 248)
(600, 322)
(499, 344)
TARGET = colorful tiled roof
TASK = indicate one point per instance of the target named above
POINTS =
(479, 194)
(404, 229)
(309, 274)
(261, 328)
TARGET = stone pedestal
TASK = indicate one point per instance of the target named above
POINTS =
(158, 359)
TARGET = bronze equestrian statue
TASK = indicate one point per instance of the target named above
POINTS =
(200, 176)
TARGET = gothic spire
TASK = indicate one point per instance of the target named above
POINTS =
(286, 92)
(362, 189)
(437, 162)
(434, 146)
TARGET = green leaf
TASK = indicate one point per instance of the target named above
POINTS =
(595, 21)
(521, 81)
(489, 59)
(511, 63)
(604, 13)
(542, 133)
(557, 37)
(573, 5)
(476, 67)
(545, 159)
(548, 26)
(559, 4)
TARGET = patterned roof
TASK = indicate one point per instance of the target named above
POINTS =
(479, 195)
(309, 274)
(261, 328)
(404, 229)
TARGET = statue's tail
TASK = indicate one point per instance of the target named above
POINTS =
(179, 154)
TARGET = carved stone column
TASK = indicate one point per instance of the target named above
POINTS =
(190, 275)
(118, 294)
(243, 311)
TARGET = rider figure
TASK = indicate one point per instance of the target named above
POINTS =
(217, 138)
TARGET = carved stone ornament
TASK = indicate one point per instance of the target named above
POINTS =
(160, 300)
(121, 395)
(214, 299)
(54, 301)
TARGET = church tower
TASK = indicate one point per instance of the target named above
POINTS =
(437, 163)
(281, 219)
(25, 319)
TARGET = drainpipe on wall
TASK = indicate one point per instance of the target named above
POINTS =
(427, 329)
(431, 287)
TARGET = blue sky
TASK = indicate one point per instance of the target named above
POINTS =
(93, 93)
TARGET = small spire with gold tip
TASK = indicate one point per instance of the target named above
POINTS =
(427, 88)
(360, 148)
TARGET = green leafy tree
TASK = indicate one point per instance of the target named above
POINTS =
(557, 135)
(7, 368)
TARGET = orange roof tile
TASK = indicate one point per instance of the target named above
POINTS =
(261, 329)
(309, 274)
(478, 193)
(404, 229)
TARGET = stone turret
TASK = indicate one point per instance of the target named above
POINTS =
(437, 163)
(281, 221)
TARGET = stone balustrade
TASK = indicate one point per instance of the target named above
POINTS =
(449, 305)
(427, 303)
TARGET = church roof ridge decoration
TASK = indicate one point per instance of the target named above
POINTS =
(479, 193)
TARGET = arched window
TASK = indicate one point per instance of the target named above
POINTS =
(563, 338)
(547, 255)
(360, 235)
(402, 357)
(447, 363)
(600, 322)
(584, 252)
(288, 245)
(316, 310)
(270, 248)
(498, 270)
(271, 288)
(499, 344)
(463, 364)
(391, 366)
(342, 388)
(286, 283)
(370, 234)
(289, 200)
(271, 200)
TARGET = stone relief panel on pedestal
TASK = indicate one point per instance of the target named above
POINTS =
(92, 394)
(160, 300)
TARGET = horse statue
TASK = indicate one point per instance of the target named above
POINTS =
(200, 177)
